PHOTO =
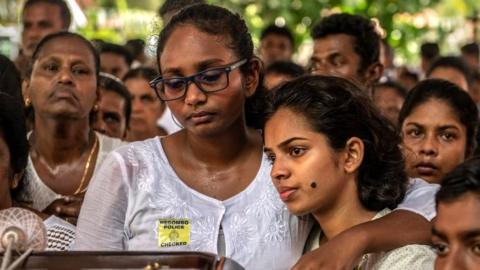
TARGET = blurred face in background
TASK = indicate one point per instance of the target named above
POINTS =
(274, 48)
(146, 110)
(110, 118)
(39, 20)
(389, 101)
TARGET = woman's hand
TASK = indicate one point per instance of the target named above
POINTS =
(342, 252)
(67, 208)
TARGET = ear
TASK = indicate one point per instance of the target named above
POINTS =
(252, 78)
(354, 151)
(373, 74)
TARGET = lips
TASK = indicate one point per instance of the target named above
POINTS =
(426, 168)
(200, 117)
(286, 193)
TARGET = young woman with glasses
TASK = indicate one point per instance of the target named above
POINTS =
(207, 187)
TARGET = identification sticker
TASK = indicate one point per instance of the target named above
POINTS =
(173, 232)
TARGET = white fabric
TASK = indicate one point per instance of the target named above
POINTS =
(420, 198)
(412, 257)
(41, 195)
(166, 122)
(60, 234)
(136, 187)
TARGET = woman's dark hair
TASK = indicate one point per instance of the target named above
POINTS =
(13, 130)
(339, 110)
(458, 100)
(218, 21)
(10, 80)
(65, 34)
(463, 179)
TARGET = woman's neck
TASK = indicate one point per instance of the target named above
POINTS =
(345, 213)
(61, 140)
(224, 147)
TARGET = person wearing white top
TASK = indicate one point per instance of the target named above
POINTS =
(165, 194)
(336, 158)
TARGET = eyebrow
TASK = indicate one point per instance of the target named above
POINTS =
(438, 233)
(470, 234)
(200, 66)
(286, 142)
(440, 127)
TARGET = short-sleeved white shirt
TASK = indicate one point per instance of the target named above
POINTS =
(137, 191)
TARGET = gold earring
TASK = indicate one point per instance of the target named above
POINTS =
(95, 107)
(14, 184)
(28, 103)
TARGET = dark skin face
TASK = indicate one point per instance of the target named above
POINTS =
(110, 117)
(275, 47)
(63, 91)
(335, 55)
(114, 64)
(38, 21)
(456, 233)
(219, 155)
(7, 178)
(146, 109)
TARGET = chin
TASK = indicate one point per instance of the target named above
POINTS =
(298, 211)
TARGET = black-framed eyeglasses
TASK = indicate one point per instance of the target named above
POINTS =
(208, 81)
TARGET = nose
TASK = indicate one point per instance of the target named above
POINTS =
(429, 146)
(279, 171)
(453, 261)
(194, 96)
(65, 76)
(136, 105)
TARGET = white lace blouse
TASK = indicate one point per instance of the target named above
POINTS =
(41, 195)
(137, 202)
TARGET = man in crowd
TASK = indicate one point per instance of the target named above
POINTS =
(276, 44)
(347, 46)
(40, 18)
(114, 59)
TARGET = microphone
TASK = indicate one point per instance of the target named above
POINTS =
(20, 230)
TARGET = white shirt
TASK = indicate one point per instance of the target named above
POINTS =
(411, 257)
(136, 196)
(41, 195)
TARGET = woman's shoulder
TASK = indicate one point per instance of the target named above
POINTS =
(140, 152)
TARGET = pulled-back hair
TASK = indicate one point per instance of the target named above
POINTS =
(339, 110)
(462, 180)
(362, 30)
(456, 98)
(218, 21)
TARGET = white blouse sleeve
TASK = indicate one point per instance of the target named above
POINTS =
(420, 198)
(102, 217)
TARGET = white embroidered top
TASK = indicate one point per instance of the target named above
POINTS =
(137, 202)
(412, 257)
(41, 195)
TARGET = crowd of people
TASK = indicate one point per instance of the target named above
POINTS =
(217, 146)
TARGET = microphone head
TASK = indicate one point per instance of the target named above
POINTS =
(24, 227)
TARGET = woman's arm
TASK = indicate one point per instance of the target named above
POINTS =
(399, 228)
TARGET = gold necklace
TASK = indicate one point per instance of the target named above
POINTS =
(87, 167)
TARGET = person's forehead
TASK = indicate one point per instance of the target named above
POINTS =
(47, 10)
(335, 42)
